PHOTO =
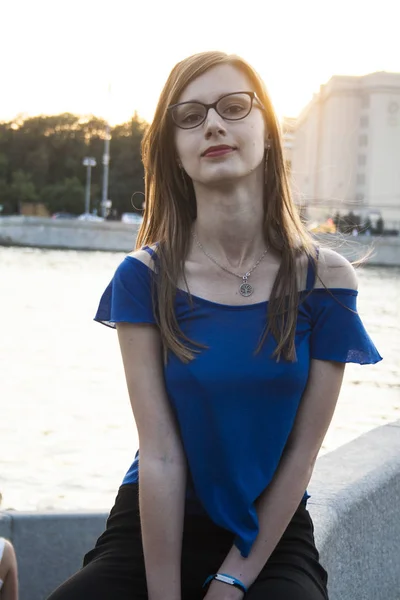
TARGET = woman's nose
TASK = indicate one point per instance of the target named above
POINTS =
(214, 123)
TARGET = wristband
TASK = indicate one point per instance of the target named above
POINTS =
(228, 579)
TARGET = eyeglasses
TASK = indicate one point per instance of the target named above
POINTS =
(231, 107)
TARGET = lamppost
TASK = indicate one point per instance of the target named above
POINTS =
(105, 202)
(106, 162)
(88, 162)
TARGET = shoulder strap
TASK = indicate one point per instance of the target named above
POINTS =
(151, 251)
(311, 272)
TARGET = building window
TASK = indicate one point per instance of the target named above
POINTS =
(360, 179)
(363, 140)
(364, 121)
(362, 160)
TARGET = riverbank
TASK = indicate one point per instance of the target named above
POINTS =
(116, 236)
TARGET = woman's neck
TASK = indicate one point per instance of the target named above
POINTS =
(229, 223)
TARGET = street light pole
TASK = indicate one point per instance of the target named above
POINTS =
(88, 162)
(106, 162)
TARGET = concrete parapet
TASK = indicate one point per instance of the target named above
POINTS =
(72, 234)
(49, 546)
(116, 236)
(5, 525)
(356, 510)
(377, 250)
(354, 503)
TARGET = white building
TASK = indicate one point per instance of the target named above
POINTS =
(288, 128)
(345, 153)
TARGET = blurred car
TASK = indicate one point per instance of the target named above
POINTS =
(90, 217)
(134, 218)
(63, 215)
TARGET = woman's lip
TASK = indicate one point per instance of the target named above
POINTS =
(218, 151)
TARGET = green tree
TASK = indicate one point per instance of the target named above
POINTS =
(41, 157)
(22, 189)
(126, 168)
(3, 166)
(5, 200)
(66, 196)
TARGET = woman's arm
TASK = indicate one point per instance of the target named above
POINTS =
(9, 573)
(278, 503)
(162, 464)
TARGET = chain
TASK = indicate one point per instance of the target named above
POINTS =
(243, 277)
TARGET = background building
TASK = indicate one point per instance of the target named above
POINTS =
(288, 126)
(344, 149)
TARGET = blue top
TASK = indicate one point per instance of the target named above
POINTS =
(235, 408)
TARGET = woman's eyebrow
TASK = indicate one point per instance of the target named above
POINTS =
(202, 102)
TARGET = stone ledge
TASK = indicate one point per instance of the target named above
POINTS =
(354, 503)
(356, 516)
(5, 525)
(115, 236)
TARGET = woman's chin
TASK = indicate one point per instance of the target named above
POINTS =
(220, 177)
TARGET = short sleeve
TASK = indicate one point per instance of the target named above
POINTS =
(338, 333)
(128, 296)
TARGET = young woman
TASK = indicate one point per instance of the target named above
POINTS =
(234, 330)
(8, 571)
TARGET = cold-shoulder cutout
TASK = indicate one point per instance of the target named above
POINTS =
(144, 256)
(335, 271)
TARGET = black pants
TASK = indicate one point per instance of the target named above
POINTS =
(114, 569)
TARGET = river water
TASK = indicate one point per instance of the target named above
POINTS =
(67, 434)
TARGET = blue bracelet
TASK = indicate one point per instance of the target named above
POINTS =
(224, 578)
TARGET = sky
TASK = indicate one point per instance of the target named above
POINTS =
(59, 56)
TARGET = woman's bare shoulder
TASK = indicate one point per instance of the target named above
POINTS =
(335, 271)
(144, 256)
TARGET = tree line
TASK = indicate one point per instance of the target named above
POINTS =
(41, 161)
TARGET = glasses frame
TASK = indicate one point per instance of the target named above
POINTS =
(252, 96)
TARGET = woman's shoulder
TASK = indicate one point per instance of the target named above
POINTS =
(335, 271)
(128, 297)
(145, 255)
(135, 268)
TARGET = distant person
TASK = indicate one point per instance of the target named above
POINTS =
(113, 215)
(337, 221)
(233, 359)
(351, 218)
(380, 227)
(367, 227)
(8, 571)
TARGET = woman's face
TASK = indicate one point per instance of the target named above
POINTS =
(220, 150)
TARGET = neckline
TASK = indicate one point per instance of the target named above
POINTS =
(263, 303)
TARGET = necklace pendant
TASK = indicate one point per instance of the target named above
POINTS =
(246, 289)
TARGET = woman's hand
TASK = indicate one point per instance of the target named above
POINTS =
(221, 591)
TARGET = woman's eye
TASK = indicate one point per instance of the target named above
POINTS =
(233, 109)
(191, 118)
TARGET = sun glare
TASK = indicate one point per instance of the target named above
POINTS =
(65, 64)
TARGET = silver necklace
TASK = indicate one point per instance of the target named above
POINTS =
(245, 289)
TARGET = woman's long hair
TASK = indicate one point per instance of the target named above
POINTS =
(170, 210)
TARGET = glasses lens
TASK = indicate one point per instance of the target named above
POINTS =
(189, 114)
(234, 106)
